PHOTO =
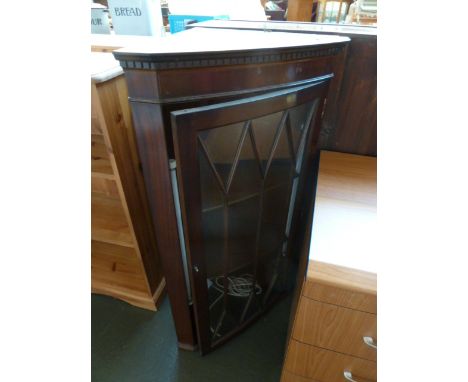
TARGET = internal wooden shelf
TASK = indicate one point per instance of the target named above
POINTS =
(108, 222)
(244, 187)
(245, 197)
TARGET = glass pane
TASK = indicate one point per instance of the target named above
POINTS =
(298, 117)
(248, 179)
(221, 144)
(212, 192)
(264, 129)
(281, 163)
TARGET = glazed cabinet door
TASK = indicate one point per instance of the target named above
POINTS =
(240, 169)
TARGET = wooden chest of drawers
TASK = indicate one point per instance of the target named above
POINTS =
(125, 260)
(334, 332)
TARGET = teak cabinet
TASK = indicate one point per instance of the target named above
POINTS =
(125, 262)
(227, 124)
(333, 333)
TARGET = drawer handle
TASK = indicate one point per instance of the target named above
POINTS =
(369, 341)
(348, 376)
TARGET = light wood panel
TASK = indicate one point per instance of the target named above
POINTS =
(348, 177)
(325, 365)
(340, 276)
(125, 261)
(108, 221)
(344, 231)
(343, 286)
(118, 267)
(345, 211)
(338, 302)
(300, 10)
(117, 272)
(119, 132)
(100, 160)
(335, 328)
(108, 187)
(95, 124)
(341, 296)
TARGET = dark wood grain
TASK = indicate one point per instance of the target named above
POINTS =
(350, 119)
(164, 80)
(186, 124)
(355, 131)
(122, 138)
(153, 154)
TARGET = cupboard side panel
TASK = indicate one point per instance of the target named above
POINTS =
(151, 142)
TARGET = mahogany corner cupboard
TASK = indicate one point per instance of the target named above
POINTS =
(227, 124)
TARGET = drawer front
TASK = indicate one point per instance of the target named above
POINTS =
(325, 365)
(335, 328)
(341, 286)
(339, 296)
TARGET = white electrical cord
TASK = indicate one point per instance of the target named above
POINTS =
(240, 286)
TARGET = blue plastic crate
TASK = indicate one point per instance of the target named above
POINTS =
(177, 23)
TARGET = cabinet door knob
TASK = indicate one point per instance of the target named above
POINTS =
(369, 341)
(348, 376)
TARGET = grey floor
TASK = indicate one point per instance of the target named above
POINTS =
(132, 344)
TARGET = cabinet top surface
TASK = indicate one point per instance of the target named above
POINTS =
(208, 40)
(345, 214)
(117, 41)
(289, 26)
(104, 67)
